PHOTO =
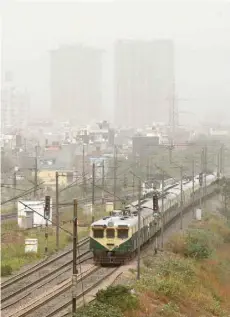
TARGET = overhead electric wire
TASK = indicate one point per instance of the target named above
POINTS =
(29, 191)
(53, 223)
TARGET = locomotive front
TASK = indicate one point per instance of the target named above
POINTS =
(111, 241)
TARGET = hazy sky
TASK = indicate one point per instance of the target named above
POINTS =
(201, 31)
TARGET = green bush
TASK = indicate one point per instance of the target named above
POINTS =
(6, 270)
(198, 244)
(98, 309)
(118, 296)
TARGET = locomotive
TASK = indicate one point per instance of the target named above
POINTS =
(113, 239)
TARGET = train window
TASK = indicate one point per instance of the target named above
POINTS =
(110, 233)
(122, 233)
(98, 233)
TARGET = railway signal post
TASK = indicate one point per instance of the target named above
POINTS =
(74, 278)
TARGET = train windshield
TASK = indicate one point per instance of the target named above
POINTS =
(122, 233)
(110, 233)
(98, 233)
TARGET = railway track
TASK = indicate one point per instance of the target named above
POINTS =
(48, 286)
(20, 286)
(57, 300)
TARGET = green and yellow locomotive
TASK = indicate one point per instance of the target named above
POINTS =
(113, 239)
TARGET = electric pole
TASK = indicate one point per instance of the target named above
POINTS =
(114, 177)
(181, 197)
(47, 217)
(15, 186)
(202, 174)
(103, 184)
(139, 231)
(57, 211)
(93, 191)
(205, 170)
(74, 278)
(133, 186)
(83, 171)
(193, 187)
(222, 159)
(36, 172)
(124, 189)
(162, 212)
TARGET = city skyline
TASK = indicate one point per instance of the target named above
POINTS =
(202, 49)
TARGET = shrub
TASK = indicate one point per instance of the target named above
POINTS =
(177, 244)
(98, 309)
(198, 244)
(118, 296)
(6, 270)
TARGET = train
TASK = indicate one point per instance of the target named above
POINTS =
(148, 188)
(113, 239)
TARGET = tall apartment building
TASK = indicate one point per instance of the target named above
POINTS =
(15, 106)
(76, 83)
(144, 76)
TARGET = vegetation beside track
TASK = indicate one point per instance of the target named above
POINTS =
(190, 278)
(13, 255)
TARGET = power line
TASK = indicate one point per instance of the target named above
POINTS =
(29, 191)
(38, 213)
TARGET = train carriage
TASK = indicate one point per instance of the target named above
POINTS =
(113, 239)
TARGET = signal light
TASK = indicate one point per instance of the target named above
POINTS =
(155, 202)
(47, 207)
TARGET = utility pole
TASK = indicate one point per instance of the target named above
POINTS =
(103, 184)
(139, 231)
(15, 186)
(202, 174)
(74, 278)
(162, 212)
(193, 187)
(124, 189)
(147, 170)
(222, 159)
(36, 171)
(133, 186)
(114, 177)
(93, 191)
(205, 170)
(47, 216)
(218, 164)
(57, 211)
(83, 171)
(181, 197)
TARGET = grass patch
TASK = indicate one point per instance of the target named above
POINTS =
(13, 239)
(13, 244)
(193, 277)
(8, 209)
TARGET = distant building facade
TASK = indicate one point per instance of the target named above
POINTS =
(76, 83)
(15, 106)
(144, 81)
(144, 145)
